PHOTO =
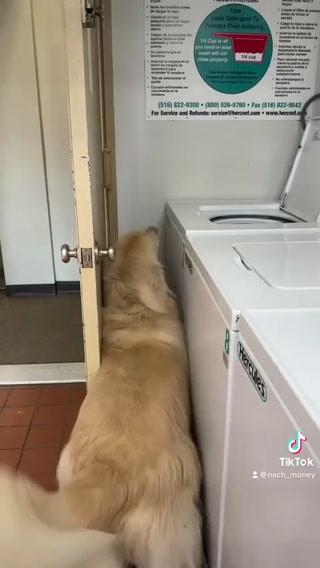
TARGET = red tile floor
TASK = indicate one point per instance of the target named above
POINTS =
(35, 424)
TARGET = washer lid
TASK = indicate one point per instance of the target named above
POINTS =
(301, 196)
(283, 265)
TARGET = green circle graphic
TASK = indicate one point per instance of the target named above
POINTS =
(233, 49)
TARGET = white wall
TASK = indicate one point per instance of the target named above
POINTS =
(50, 50)
(24, 222)
(157, 161)
(35, 161)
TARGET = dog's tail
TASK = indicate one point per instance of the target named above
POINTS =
(37, 520)
(161, 537)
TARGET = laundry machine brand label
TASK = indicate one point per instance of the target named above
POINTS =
(252, 372)
(188, 262)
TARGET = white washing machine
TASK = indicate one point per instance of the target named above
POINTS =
(271, 514)
(299, 207)
(223, 276)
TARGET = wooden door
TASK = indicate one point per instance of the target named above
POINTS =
(85, 89)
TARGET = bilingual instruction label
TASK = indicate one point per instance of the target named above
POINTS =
(216, 59)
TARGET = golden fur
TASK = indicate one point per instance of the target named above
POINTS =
(34, 533)
(130, 466)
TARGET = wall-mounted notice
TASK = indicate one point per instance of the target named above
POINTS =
(216, 59)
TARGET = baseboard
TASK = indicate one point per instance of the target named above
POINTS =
(68, 287)
(42, 374)
(31, 290)
(20, 290)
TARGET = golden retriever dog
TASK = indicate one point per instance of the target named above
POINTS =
(130, 466)
(34, 533)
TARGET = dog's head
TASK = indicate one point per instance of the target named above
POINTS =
(135, 250)
(137, 270)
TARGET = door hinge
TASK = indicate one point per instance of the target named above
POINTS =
(86, 258)
(91, 10)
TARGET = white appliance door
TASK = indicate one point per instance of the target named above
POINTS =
(284, 265)
(272, 507)
(209, 345)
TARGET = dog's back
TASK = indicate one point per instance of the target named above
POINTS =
(131, 447)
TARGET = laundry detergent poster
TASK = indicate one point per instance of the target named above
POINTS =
(216, 59)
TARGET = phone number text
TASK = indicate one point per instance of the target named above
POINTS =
(230, 105)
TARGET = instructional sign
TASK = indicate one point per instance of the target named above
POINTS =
(216, 59)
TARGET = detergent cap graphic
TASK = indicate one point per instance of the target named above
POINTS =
(295, 445)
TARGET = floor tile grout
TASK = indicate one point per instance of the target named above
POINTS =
(22, 450)
(58, 430)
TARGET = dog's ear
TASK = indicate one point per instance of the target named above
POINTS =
(153, 291)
